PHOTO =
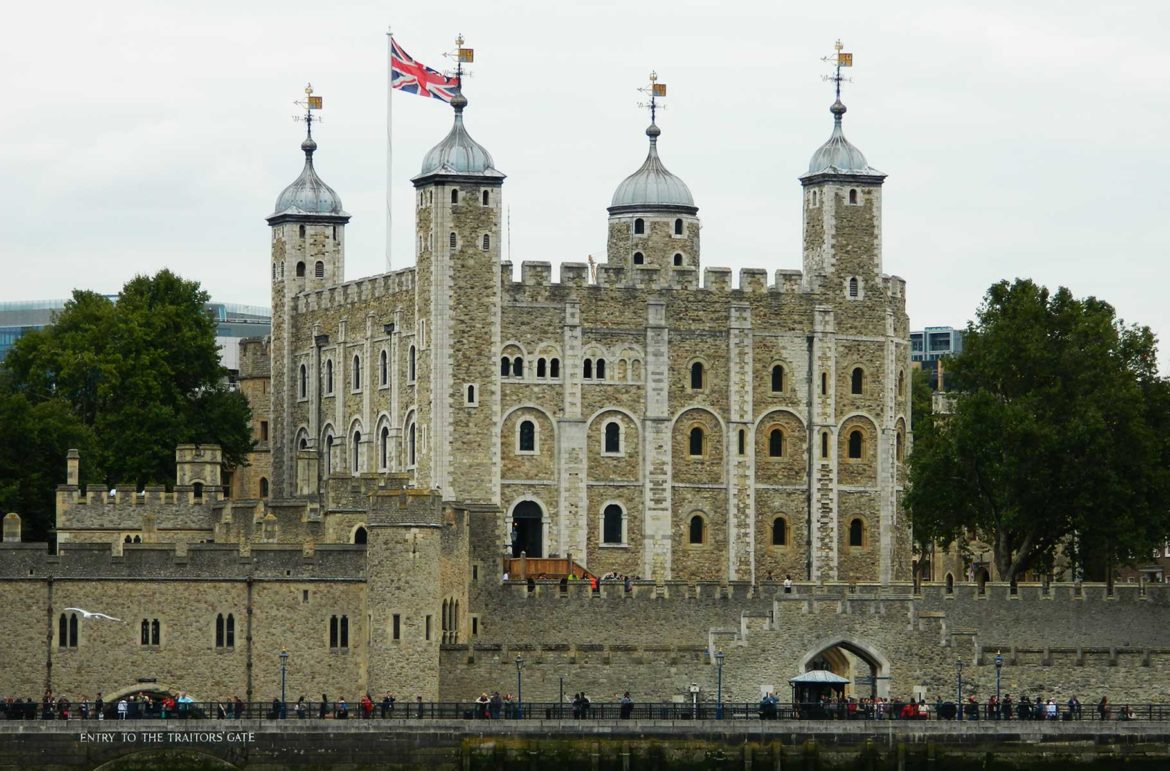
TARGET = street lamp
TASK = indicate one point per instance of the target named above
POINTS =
(283, 670)
(959, 700)
(719, 687)
(519, 688)
(998, 668)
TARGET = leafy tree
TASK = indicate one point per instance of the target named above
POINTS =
(140, 374)
(1058, 441)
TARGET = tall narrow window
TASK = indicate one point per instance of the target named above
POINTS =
(824, 444)
(613, 437)
(264, 431)
(410, 364)
(329, 454)
(853, 287)
(518, 366)
(779, 532)
(333, 632)
(302, 231)
(505, 366)
(527, 436)
(144, 636)
(775, 443)
(345, 631)
(300, 270)
(639, 226)
(611, 525)
(697, 534)
(824, 384)
(587, 369)
(263, 487)
(304, 382)
(639, 258)
(554, 368)
(898, 450)
(697, 376)
(451, 240)
(319, 269)
(427, 630)
(220, 631)
(855, 444)
(486, 199)
(471, 394)
(677, 259)
(329, 376)
(857, 533)
(678, 227)
(852, 196)
(411, 449)
(857, 380)
(383, 448)
(777, 378)
(600, 369)
(357, 373)
(541, 368)
(487, 242)
(230, 638)
(383, 368)
(396, 624)
(742, 441)
(696, 441)
(454, 196)
(355, 461)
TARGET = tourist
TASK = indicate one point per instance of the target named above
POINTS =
(788, 584)
(238, 707)
(1074, 708)
(300, 708)
(419, 700)
(1005, 707)
(367, 707)
(1051, 709)
(1103, 708)
(323, 709)
(482, 705)
(123, 708)
(387, 705)
(627, 706)
(99, 706)
(342, 712)
(629, 584)
(497, 704)
(274, 713)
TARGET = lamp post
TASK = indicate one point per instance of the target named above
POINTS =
(519, 688)
(719, 687)
(283, 671)
(998, 668)
(959, 699)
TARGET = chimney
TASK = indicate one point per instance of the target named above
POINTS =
(12, 528)
(72, 464)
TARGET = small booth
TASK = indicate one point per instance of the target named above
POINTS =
(813, 688)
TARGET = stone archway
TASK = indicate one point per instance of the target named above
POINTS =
(867, 668)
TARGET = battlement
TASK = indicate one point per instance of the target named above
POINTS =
(356, 292)
(226, 562)
(255, 359)
(539, 274)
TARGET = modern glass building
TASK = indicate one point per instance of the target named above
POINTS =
(233, 322)
(930, 345)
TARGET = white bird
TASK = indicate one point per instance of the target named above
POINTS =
(88, 614)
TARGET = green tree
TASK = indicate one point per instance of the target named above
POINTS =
(141, 373)
(1057, 443)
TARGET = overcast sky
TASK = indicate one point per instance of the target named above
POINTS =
(1019, 139)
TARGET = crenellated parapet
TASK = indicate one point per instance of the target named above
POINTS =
(357, 293)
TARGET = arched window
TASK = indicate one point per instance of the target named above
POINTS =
(527, 436)
(899, 451)
(357, 373)
(301, 231)
(814, 198)
(697, 376)
(67, 630)
(329, 454)
(144, 628)
(779, 531)
(486, 199)
(361, 536)
(697, 529)
(611, 525)
(856, 533)
(600, 369)
(639, 259)
(383, 368)
(855, 443)
(451, 240)
(554, 368)
(300, 270)
(328, 376)
(777, 378)
(678, 258)
(197, 488)
(411, 454)
(487, 242)
(518, 366)
(639, 226)
(155, 632)
(356, 461)
(383, 448)
(696, 441)
(471, 394)
(950, 584)
(303, 444)
(852, 196)
(410, 364)
(263, 487)
(613, 437)
(505, 366)
(319, 269)
(853, 287)
(901, 382)
(454, 195)
(857, 380)
(587, 369)
(775, 443)
(304, 382)
(230, 638)
(220, 631)
(541, 368)
(678, 227)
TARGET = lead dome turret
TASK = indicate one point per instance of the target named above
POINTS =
(308, 195)
(458, 154)
(837, 156)
(652, 187)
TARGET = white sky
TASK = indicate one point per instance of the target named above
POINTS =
(1020, 139)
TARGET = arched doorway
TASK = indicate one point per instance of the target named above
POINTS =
(866, 669)
(527, 529)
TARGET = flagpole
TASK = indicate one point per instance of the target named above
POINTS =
(389, 135)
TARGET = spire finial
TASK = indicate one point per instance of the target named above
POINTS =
(309, 103)
(461, 55)
(654, 89)
(838, 60)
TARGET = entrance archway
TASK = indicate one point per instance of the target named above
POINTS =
(528, 529)
(867, 670)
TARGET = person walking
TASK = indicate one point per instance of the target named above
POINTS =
(627, 706)
(323, 709)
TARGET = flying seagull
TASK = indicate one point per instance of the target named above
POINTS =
(88, 614)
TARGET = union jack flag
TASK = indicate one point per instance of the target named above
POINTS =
(413, 77)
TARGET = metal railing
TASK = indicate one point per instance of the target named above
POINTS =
(470, 710)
